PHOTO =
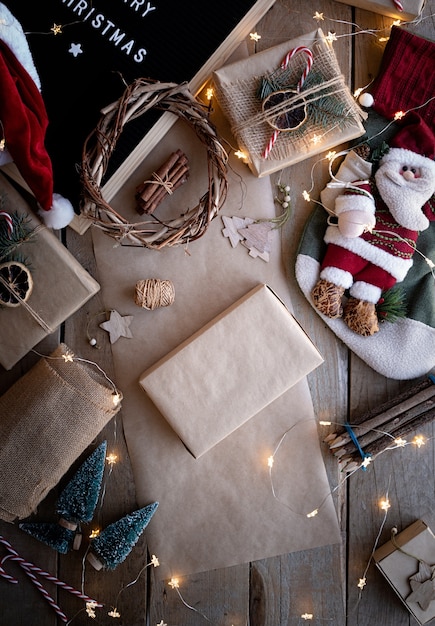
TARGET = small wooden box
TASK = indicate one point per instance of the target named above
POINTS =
(400, 565)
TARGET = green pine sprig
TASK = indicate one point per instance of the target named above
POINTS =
(392, 305)
(325, 110)
(21, 232)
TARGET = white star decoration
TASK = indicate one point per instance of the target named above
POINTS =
(76, 49)
(118, 326)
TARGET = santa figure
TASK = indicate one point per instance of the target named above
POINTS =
(379, 221)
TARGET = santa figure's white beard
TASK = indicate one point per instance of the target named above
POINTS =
(404, 198)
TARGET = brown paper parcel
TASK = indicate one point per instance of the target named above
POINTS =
(218, 510)
(47, 419)
(411, 8)
(418, 542)
(236, 89)
(230, 369)
(60, 285)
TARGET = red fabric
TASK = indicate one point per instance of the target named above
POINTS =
(415, 135)
(360, 269)
(24, 119)
(406, 76)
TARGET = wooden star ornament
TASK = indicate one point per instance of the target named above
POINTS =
(118, 326)
(423, 586)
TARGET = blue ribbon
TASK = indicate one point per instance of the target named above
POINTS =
(356, 442)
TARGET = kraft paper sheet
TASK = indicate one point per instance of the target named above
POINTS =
(218, 510)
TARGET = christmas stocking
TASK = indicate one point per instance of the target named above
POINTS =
(403, 347)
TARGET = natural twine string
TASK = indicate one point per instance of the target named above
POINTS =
(158, 180)
(292, 103)
(152, 293)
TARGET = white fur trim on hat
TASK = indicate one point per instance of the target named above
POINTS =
(408, 157)
(60, 214)
(11, 32)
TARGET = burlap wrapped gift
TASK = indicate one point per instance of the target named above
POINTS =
(47, 419)
(237, 90)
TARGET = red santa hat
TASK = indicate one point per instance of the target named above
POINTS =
(24, 123)
(414, 143)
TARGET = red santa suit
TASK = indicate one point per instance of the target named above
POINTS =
(398, 204)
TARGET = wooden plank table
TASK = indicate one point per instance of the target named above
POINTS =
(276, 591)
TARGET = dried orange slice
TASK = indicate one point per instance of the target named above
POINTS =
(15, 280)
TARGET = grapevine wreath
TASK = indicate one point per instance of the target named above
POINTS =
(139, 97)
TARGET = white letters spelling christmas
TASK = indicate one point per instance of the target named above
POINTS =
(84, 10)
(379, 221)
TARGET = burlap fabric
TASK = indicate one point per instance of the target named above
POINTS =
(241, 105)
(47, 419)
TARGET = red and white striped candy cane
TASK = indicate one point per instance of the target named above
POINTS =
(34, 568)
(398, 5)
(305, 73)
(29, 568)
(8, 219)
(41, 588)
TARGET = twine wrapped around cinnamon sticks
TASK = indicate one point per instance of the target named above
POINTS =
(152, 293)
(170, 175)
(379, 429)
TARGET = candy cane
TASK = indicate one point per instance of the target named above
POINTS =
(29, 568)
(9, 221)
(305, 73)
(41, 588)
(398, 5)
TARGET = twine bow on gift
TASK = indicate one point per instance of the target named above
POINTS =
(302, 79)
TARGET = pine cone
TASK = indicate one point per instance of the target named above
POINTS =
(363, 151)
(327, 298)
(361, 317)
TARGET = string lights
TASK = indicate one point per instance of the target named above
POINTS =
(419, 440)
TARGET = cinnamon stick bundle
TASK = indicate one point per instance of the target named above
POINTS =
(377, 429)
(168, 177)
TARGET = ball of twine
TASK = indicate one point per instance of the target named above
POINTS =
(138, 98)
(152, 293)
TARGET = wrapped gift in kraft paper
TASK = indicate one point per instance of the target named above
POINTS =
(60, 286)
(231, 369)
(288, 103)
(411, 8)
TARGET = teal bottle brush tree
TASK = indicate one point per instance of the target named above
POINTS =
(116, 541)
(75, 505)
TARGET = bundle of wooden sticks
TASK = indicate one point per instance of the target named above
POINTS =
(380, 428)
(169, 176)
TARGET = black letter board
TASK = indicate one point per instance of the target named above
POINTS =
(104, 45)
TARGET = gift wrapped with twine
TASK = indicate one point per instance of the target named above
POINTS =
(47, 419)
(327, 113)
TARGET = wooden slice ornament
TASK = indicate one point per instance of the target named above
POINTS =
(16, 283)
